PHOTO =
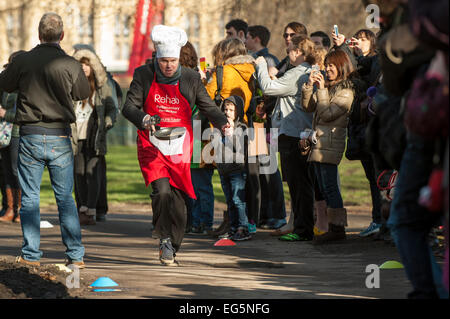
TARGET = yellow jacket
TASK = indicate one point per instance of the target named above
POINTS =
(237, 80)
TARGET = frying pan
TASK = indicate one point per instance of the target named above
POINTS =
(169, 133)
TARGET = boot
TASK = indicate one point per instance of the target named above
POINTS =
(17, 193)
(9, 214)
(224, 227)
(86, 216)
(337, 220)
(320, 210)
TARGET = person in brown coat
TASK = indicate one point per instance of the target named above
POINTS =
(331, 102)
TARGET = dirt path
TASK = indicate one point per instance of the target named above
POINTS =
(263, 267)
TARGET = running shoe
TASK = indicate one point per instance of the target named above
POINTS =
(228, 235)
(197, 230)
(241, 234)
(372, 229)
(318, 232)
(277, 223)
(166, 252)
(251, 228)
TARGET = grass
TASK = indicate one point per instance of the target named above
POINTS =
(126, 184)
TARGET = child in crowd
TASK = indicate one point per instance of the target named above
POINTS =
(231, 160)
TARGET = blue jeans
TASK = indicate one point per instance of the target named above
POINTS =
(36, 152)
(203, 207)
(233, 186)
(410, 223)
(327, 177)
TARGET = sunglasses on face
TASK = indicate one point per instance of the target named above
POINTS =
(289, 35)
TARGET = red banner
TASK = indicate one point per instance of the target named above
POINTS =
(148, 14)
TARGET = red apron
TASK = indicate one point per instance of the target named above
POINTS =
(166, 101)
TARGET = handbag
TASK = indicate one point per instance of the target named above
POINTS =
(5, 133)
(307, 138)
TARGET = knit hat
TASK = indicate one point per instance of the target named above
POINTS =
(168, 41)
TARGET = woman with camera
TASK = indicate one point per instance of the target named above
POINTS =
(331, 104)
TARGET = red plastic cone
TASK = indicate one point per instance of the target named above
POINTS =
(225, 242)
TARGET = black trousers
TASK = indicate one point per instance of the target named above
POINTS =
(272, 196)
(2, 185)
(87, 176)
(102, 202)
(253, 191)
(299, 174)
(372, 175)
(169, 212)
(9, 164)
(317, 193)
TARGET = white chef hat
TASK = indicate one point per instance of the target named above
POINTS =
(168, 41)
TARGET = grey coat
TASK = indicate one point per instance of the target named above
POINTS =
(288, 115)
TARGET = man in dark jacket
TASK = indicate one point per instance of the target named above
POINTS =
(47, 81)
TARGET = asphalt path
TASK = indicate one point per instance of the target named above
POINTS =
(123, 250)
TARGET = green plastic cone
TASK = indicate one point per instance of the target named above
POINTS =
(391, 264)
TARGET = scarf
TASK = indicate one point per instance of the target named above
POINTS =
(161, 78)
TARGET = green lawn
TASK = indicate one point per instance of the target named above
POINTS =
(125, 182)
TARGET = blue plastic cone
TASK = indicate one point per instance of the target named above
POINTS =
(103, 282)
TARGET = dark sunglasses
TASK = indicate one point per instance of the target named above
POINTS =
(286, 35)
